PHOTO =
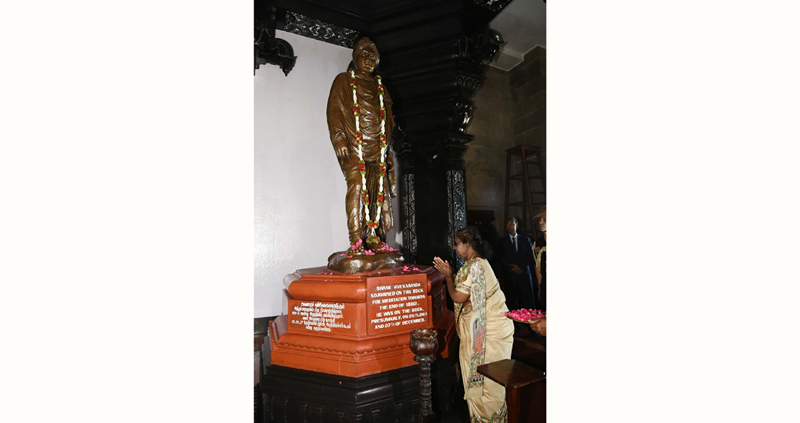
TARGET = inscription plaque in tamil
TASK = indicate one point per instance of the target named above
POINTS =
(321, 317)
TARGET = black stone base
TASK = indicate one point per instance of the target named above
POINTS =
(300, 396)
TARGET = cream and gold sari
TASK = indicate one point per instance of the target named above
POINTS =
(486, 336)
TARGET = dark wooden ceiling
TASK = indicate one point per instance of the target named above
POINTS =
(369, 16)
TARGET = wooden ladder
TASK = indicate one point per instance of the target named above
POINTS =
(530, 156)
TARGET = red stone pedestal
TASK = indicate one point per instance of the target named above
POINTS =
(358, 324)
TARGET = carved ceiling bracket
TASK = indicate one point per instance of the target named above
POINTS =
(476, 51)
(267, 48)
(482, 47)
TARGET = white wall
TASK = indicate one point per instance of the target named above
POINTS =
(299, 188)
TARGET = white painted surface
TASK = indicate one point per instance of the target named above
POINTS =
(299, 188)
(523, 24)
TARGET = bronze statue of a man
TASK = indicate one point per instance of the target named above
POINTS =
(360, 130)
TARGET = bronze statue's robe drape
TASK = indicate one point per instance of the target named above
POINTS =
(342, 127)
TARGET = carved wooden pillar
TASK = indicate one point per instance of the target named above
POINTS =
(424, 345)
(404, 161)
(455, 147)
(433, 68)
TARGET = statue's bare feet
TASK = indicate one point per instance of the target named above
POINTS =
(356, 249)
(359, 251)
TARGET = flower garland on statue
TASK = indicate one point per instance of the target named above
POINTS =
(362, 167)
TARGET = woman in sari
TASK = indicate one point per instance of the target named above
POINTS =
(486, 334)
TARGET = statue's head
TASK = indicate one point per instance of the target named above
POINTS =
(365, 55)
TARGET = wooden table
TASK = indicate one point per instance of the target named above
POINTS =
(525, 389)
(530, 351)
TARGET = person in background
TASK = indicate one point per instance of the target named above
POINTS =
(515, 253)
(486, 334)
(540, 257)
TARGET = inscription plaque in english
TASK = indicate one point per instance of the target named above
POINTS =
(397, 303)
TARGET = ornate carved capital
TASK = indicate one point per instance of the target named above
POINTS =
(453, 148)
(468, 81)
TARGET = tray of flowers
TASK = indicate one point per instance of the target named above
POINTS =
(525, 315)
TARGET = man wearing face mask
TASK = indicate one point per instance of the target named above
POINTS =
(346, 107)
